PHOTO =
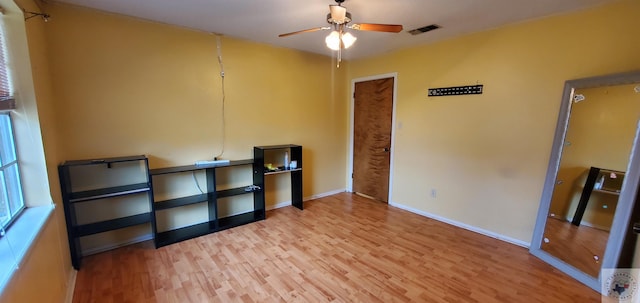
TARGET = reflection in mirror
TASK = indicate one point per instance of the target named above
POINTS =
(597, 146)
(584, 223)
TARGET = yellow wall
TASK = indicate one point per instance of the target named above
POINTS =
(45, 272)
(125, 86)
(602, 127)
(486, 155)
(109, 85)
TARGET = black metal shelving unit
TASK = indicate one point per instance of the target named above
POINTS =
(260, 153)
(598, 180)
(71, 197)
(214, 222)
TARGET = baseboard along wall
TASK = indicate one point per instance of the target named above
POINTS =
(468, 227)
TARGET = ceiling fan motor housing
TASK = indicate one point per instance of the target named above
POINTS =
(338, 18)
(332, 19)
(338, 15)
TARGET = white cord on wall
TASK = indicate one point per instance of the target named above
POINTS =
(219, 47)
(223, 126)
(193, 173)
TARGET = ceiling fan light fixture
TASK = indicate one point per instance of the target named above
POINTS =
(339, 19)
(333, 40)
(348, 39)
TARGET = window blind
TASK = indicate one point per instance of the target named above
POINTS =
(5, 85)
(7, 101)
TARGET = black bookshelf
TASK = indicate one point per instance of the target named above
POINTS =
(210, 197)
(184, 233)
(108, 225)
(103, 193)
(71, 196)
(240, 219)
(274, 153)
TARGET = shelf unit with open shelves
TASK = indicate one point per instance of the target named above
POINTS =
(211, 197)
(98, 183)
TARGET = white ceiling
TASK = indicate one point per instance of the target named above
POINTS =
(262, 21)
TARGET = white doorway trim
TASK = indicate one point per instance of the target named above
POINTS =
(349, 169)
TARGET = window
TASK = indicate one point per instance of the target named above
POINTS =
(25, 196)
(11, 199)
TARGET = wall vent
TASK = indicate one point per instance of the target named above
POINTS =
(424, 29)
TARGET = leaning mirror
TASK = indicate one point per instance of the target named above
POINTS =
(592, 178)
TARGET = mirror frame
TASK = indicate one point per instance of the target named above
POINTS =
(627, 195)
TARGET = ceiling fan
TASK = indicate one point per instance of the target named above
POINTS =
(338, 19)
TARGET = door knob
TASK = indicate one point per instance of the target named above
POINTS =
(386, 149)
(636, 227)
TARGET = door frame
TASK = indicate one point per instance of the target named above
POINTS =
(349, 169)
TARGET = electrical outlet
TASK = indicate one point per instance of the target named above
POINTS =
(434, 193)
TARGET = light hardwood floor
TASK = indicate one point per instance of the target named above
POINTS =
(576, 245)
(341, 248)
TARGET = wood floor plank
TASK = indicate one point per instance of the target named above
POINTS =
(576, 245)
(341, 248)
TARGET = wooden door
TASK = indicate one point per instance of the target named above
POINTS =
(372, 115)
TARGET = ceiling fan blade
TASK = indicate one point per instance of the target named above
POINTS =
(389, 28)
(315, 29)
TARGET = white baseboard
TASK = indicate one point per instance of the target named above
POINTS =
(313, 197)
(71, 286)
(279, 205)
(326, 194)
(589, 224)
(463, 225)
(100, 249)
(596, 226)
